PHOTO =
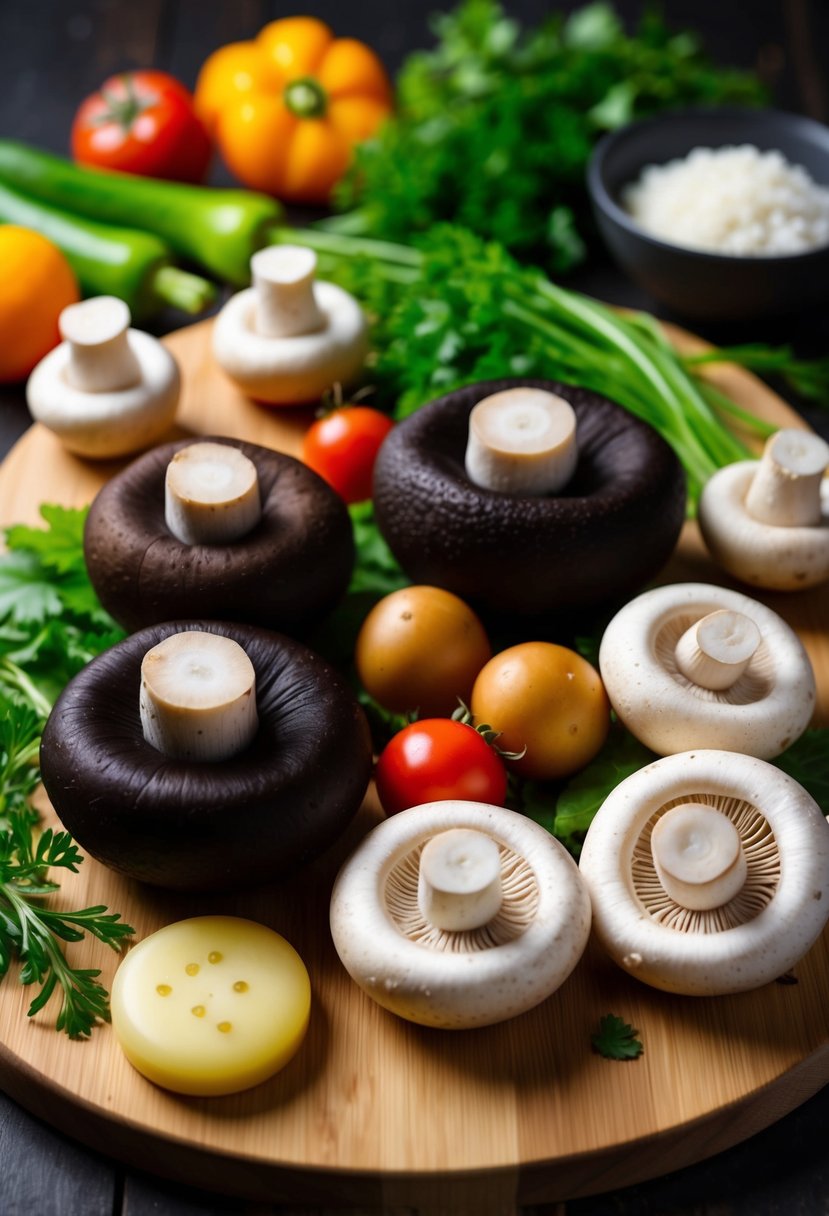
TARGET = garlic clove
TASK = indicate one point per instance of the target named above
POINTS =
(211, 494)
(522, 441)
(198, 697)
(100, 357)
(459, 886)
(786, 489)
(717, 649)
(283, 283)
(698, 856)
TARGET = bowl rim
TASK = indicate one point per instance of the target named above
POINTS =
(605, 202)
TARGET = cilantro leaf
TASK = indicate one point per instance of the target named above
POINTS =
(584, 794)
(616, 1040)
(60, 546)
(26, 593)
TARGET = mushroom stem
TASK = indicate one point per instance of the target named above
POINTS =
(698, 856)
(785, 490)
(283, 281)
(717, 649)
(459, 885)
(522, 441)
(211, 494)
(198, 697)
(100, 357)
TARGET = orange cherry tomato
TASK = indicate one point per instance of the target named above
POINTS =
(288, 107)
(547, 699)
(36, 284)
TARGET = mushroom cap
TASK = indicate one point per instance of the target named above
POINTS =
(285, 574)
(104, 425)
(758, 935)
(197, 825)
(474, 978)
(605, 534)
(758, 553)
(761, 714)
(296, 370)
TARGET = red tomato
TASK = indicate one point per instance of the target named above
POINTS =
(437, 759)
(142, 122)
(343, 446)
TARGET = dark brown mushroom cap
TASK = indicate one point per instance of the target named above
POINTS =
(193, 826)
(285, 574)
(603, 536)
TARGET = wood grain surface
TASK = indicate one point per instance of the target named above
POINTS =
(379, 1112)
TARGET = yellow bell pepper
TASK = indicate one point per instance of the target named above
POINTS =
(287, 108)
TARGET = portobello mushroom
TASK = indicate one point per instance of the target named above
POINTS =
(285, 573)
(600, 537)
(194, 824)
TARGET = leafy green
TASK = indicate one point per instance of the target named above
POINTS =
(809, 378)
(616, 1040)
(495, 125)
(51, 625)
(807, 761)
(456, 309)
(586, 791)
(376, 571)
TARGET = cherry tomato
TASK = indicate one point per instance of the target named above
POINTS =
(142, 122)
(547, 699)
(421, 648)
(437, 759)
(342, 447)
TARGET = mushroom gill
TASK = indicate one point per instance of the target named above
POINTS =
(753, 685)
(517, 912)
(763, 870)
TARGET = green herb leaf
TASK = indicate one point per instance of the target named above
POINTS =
(584, 794)
(807, 761)
(616, 1040)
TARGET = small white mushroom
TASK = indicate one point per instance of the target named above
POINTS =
(745, 851)
(106, 390)
(389, 919)
(211, 494)
(522, 441)
(289, 338)
(692, 665)
(767, 521)
(198, 697)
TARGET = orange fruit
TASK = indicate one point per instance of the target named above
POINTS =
(36, 284)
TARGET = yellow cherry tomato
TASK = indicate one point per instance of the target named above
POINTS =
(547, 699)
(288, 107)
(36, 284)
(421, 648)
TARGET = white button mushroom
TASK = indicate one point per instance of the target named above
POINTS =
(522, 441)
(106, 390)
(767, 521)
(458, 914)
(692, 665)
(287, 339)
(708, 873)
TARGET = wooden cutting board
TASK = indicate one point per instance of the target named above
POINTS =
(374, 1111)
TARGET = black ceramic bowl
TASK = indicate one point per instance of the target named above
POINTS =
(694, 283)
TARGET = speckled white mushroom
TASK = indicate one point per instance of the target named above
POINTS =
(767, 521)
(505, 962)
(106, 390)
(289, 338)
(726, 937)
(694, 665)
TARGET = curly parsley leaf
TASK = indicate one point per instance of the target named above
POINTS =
(616, 1040)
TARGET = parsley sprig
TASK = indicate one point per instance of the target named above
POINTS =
(51, 625)
(616, 1040)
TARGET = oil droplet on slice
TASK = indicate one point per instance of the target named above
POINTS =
(215, 956)
(163, 989)
(192, 968)
(241, 986)
(199, 1011)
(225, 1027)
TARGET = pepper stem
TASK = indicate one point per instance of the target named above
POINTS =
(181, 289)
(306, 98)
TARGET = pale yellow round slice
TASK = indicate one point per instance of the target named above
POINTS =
(211, 1005)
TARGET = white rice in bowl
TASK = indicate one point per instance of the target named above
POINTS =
(734, 200)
